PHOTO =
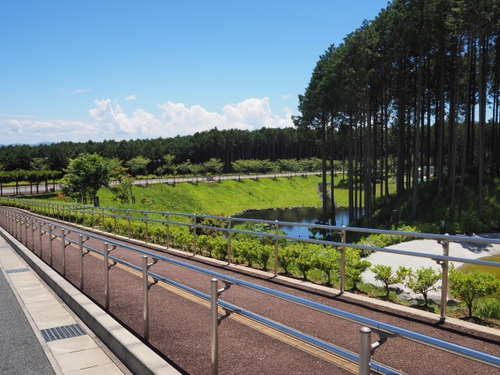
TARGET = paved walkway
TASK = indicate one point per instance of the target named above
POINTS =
(459, 250)
(39, 334)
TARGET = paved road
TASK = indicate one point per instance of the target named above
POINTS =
(20, 350)
(26, 189)
(180, 326)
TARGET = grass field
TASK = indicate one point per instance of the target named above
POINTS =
(226, 198)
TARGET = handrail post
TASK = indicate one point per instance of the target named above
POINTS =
(194, 234)
(20, 231)
(342, 260)
(229, 226)
(80, 251)
(147, 227)
(276, 248)
(129, 227)
(106, 276)
(444, 281)
(40, 237)
(114, 216)
(92, 213)
(50, 245)
(102, 219)
(63, 257)
(26, 223)
(32, 234)
(145, 293)
(365, 351)
(214, 324)
(168, 231)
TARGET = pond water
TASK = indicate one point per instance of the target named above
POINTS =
(297, 215)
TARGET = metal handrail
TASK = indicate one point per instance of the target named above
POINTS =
(193, 219)
(385, 329)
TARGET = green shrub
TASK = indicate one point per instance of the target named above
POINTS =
(355, 266)
(422, 281)
(470, 287)
(488, 308)
(386, 276)
(326, 259)
(244, 250)
(262, 255)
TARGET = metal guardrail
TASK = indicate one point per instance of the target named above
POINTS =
(10, 220)
(192, 222)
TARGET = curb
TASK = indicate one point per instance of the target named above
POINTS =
(135, 355)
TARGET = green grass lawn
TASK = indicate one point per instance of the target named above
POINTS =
(476, 267)
(226, 198)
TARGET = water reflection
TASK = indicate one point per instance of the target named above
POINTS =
(297, 215)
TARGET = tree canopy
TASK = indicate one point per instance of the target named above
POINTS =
(85, 175)
(409, 91)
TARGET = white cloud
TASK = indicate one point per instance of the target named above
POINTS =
(108, 121)
(81, 91)
(131, 97)
(286, 97)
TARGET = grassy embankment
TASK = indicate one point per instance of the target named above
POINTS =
(227, 197)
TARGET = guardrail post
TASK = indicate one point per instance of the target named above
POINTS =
(129, 227)
(102, 219)
(147, 227)
(63, 255)
(26, 223)
(50, 245)
(39, 237)
(444, 279)
(20, 230)
(33, 234)
(168, 231)
(229, 226)
(114, 216)
(145, 293)
(15, 225)
(92, 213)
(106, 276)
(194, 234)
(365, 351)
(276, 248)
(214, 324)
(342, 261)
(80, 254)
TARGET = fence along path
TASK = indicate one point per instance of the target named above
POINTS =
(299, 317)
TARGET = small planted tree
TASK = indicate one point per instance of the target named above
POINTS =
(422, 281)
(355, 266)
(470, 287)
(85, 175)
(385, 275)
(326, 259)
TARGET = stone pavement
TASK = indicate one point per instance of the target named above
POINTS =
(39, 333)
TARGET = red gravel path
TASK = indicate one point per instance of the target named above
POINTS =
(180, 329)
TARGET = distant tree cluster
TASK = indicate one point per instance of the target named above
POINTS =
(225, 145)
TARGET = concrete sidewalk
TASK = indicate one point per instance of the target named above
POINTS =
(39, 333)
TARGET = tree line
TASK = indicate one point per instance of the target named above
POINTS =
(226, 145)
(408, 91)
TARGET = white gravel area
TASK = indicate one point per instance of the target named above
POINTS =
(461, 250)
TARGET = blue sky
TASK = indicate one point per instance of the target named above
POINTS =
(80, 70)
